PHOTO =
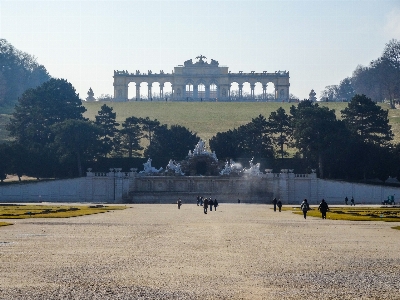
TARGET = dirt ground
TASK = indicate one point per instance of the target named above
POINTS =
(237, 252)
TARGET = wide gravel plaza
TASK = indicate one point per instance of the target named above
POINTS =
(240, 251)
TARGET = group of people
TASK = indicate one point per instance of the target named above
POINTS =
(351, 201)
(207, 202)
(277, 202)
(323, 208)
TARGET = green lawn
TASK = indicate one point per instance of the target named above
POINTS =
(387, 214)
(51, 211)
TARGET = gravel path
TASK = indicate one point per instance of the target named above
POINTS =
(238, 252)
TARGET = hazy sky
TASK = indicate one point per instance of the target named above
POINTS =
(318, 42)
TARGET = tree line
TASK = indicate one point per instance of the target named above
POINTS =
(18, 72)
(51, 138)
(380, 80)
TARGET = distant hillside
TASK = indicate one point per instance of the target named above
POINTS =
(19, 71)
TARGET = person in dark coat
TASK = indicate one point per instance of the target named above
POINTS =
(279, 204)
(215, 204)
(205, 205)
(179, 203)
(305, 208)
(352, 202)
(323, 208)
(274, 203)
(346, 200)
(211, 203)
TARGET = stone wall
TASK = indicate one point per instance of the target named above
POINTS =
(131, 187)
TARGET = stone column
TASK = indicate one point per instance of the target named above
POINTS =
(120, 92)
(229, 91)
(137, 91)
(252, 86)
(161, 90)
(207, 93)
(149, 93)
(240, 90)
(195, 91)
(264, 91)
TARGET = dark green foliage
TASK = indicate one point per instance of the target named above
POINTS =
(314, 131)
(247, 141)
(367, 121)
(77, 141)
(148, 127)
(53, 102)
(170, 143)
(225, 144)
(280, 127)
(106, 120)
(381, 79)
(129, 137)
(19, 71)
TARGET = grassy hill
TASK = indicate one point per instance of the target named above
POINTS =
(203, 118)
(208, 118)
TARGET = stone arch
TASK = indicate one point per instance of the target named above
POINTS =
(234, 90)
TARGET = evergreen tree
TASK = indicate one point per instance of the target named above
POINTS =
(367, 121)
(106, 120)
(53, 102)
(19, 71)
(129, 137)
(279, 126)
(170, 143)
(313, 130)
(77, 140)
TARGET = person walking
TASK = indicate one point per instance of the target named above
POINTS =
(198, 200)
(305, 208)
(179, 203)
(352, 202)
(211, 203)
(346, 200)
(215, 204)
(279, 204)
(274, 203)
(205, 205)
(323, 208)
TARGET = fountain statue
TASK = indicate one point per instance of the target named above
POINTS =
(231, 167)
(174, 167)
(254, 169)
(200, 149)
(148, 169)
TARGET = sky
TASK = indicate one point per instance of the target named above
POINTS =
(318, 42)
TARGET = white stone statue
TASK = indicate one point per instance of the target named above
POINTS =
(231, 167)
(148, 169)
(254, 169)
(175, 167)
(226, 170)
(200, 149)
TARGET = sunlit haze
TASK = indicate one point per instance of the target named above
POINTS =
(318, 42)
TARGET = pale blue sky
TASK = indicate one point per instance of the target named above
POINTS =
(318, 42)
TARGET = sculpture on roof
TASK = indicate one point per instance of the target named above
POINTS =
(90, 95)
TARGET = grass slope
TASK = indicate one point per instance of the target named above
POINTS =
(208, 118)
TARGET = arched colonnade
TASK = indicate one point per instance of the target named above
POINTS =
(200, 80)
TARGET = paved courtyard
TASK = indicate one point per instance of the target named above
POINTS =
(238, 252)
